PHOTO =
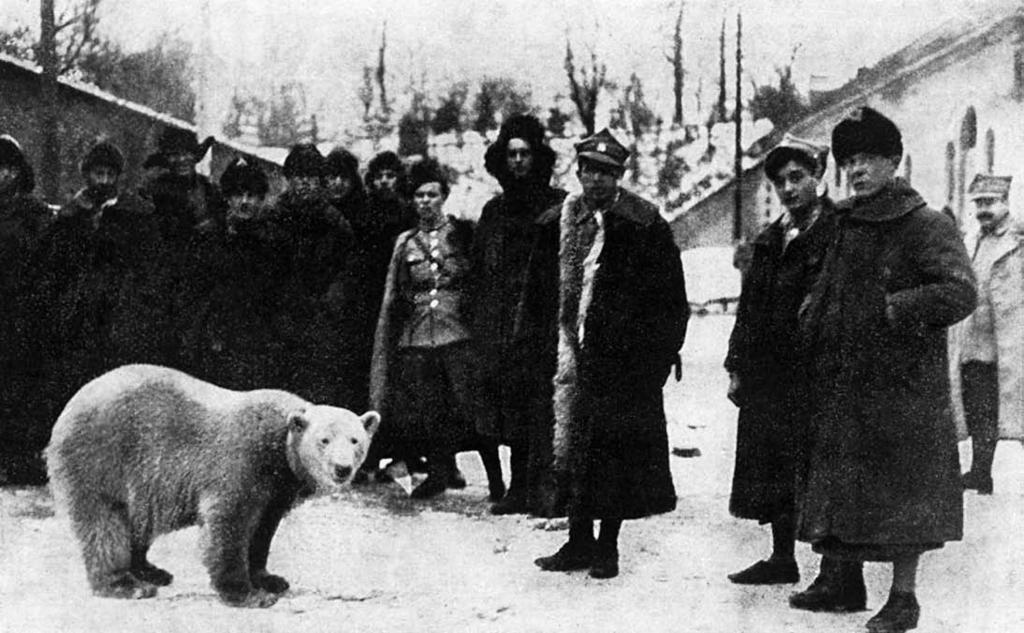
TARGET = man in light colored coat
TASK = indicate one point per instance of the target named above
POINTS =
(991, 355)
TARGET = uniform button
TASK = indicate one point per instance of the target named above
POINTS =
(433, 291)
(434, 303)
(433, 265)
(435, 253)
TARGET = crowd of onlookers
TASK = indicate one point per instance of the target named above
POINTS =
(212, 278)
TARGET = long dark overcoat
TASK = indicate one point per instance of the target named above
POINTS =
(230, 335)
(504, 237)
(883, 474)
(315, 242)
(106, 290)
(764, 351)
(23, 222)
(610, 439)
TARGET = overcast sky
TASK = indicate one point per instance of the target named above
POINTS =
(325, 44)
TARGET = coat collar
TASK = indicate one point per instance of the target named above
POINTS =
(1006, 241)
(895, 200)
(772, 234)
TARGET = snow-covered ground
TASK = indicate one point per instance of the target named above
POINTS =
(373, 560)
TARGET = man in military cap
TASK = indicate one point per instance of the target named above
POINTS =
(767, 375)
(882, 480)
(609, 259)
(991, 344)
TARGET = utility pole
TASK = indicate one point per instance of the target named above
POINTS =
(737, 220)
(49, 114)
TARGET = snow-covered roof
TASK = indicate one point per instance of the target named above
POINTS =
(132, 106)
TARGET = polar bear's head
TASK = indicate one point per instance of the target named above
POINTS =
(327, 445)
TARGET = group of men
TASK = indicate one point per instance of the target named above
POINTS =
(219, 281)
(839, 363)
(838, 359)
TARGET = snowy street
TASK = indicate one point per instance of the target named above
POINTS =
(373, 560)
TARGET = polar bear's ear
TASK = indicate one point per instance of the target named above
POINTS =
(370, 420)
(297, 421)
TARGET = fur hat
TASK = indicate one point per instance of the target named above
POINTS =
(382, 161)
(529, 129)
(866, 131)
(12, 154)
(304, 159)
(428, 170)
(174, 140)
(103, 153)
(341, 162)
(242, 176)
(804, 152)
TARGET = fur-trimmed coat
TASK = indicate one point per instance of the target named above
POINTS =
(610, 440)
(883, 470)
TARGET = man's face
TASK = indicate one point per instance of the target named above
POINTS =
(599, 180)
(243, 206)
(181, 163)
(429, 198)
(796, 186)
(990, 211)
(386, 180)
(339, 186)
(519, 158)
(9, 175)
(304, 185)
(101, 180)
(869, 173)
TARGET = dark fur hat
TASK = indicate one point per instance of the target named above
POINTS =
(103, 153)
(173, 140)
(304, 159)
(382, 161)
(242, 176)
(428, 170)
(866, 131)
(529, 129)
(341, 162)
(12, 154)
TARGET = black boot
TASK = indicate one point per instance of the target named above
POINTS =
(838, 588)
(439, 475)
(577, 554)
(899, 614)
(980, 476)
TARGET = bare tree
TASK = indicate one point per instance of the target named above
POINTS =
(49, 114)
(76, 28)
(720, 112)
(585, 85)
(381, 73)
(678, 74)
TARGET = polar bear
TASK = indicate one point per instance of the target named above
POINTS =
(144, 450)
